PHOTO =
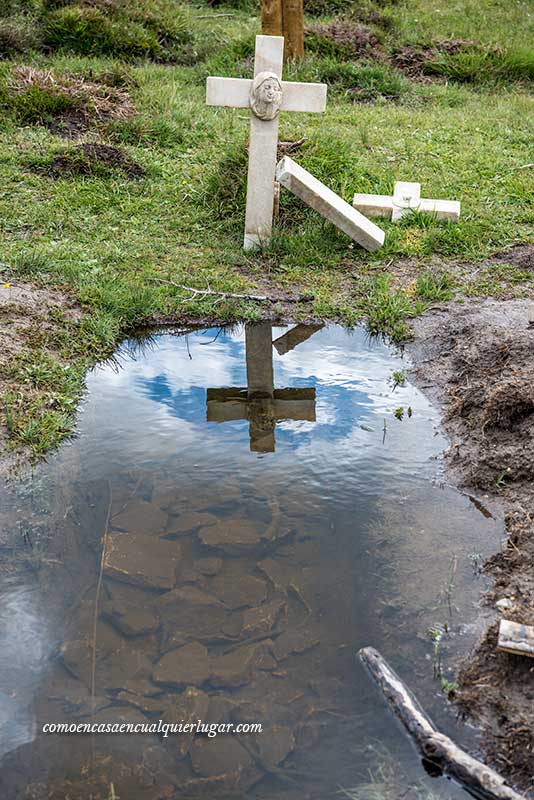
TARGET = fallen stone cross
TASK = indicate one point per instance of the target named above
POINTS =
(406, 198)
(318, 196)
(266, 96)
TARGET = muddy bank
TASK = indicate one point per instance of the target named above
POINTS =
(477, 361)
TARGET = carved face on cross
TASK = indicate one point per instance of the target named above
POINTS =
(266, 95)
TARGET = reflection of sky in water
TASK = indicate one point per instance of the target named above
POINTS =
(352, 378)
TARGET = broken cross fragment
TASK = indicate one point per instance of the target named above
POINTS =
(319, 197)
(406, 198)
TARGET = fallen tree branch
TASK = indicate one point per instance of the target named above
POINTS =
(260, 298)
(476, 778)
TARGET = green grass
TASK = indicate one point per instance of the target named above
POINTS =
(114, 243)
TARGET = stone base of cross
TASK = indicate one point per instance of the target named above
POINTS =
(406, 198)
(266, 95)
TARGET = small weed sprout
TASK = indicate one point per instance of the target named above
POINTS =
(399, 413)
(398, 378)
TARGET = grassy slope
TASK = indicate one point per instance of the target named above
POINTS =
(109, 239)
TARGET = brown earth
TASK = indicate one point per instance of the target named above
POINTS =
(477, 361)
(92, 158)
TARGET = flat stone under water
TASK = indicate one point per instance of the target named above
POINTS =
(268, 510)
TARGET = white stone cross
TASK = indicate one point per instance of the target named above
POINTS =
(406, 198)
(266, 95)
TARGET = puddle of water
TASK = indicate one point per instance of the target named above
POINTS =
(257, 538)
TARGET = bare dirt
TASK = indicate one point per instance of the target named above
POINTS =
(477, 361)
(93, 158)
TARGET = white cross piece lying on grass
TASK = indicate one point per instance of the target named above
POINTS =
(266, 95)
(406, 198)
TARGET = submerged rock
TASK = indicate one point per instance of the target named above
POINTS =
(189, 522)
(233, 535)
(275, 744)
(223, 758)
(188, 665)
(261, 620)
(208, 566)
(140, 517)
(147, 705)
(189, 707)
(142, 560)
(133, 621)
(292, 641)
(116, 666)
(193, 613)
(238, 591)
(235, 668)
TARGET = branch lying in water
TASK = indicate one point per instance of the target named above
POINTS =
(260, 298)
(437, 749)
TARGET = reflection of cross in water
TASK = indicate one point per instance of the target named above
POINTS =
(259, 402)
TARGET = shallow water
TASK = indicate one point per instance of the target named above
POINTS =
(277, 531)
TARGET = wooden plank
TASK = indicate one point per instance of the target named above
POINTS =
(516, 638)
(319, 197)
(229, 92)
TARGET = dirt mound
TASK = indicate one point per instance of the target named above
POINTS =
(99, 160)
(413, 61)
(345, 38)
(67, 104)
(479, 360)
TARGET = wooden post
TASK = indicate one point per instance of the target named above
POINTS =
(271, 18)
(293, 27)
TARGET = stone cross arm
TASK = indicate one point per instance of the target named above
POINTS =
(235, 93)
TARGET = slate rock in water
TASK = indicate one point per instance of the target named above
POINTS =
(133, 621)
(275, 744)
(292, 641)
(233, 536)
(208, 566)
(186, 523)
(238, 591)
(142, 560)
(186, 666)
(188, 707)
(224, 758)
(261, 620)
(235, 668)
(140, 517)
(188, 611)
